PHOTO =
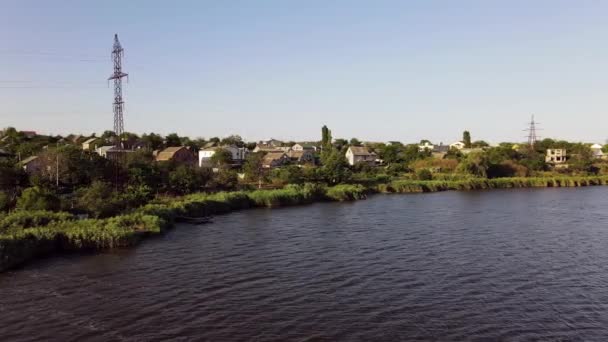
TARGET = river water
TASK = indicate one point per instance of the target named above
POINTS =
(508, 265)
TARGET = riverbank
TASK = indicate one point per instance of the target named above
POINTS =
(28, 235)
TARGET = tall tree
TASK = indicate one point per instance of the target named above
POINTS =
(466, 139)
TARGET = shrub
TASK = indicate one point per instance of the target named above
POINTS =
(36, 198)
(424, 174)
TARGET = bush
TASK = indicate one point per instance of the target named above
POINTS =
(36, 198)
(346, 192)
(100, 200)
(424, 174)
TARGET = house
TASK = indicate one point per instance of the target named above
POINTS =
(271, 143)
(360, 154)
(271, 148)
(5, 154)
(238, 153)
(103, 150)
(178, 154)
(91, 143)
(304, 147)
(301, 157)
(31, 164)
(111, 152)
(426, 146)
(556, 156)
(274, 159)
(596, 149)
(459, 145)
(28, 134)
(440, 151)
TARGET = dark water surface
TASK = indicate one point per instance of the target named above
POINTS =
(512, 265)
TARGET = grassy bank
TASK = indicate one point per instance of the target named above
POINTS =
(407, 186)
(29, 235)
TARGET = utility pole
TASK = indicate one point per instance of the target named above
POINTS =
(532, 137)
(118, 105)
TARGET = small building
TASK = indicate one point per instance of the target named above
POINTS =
(29, 134)
(301, 157)
(427, 146)
(360, 154)
(596, 149)
(556, 156)
(238, 154)
(275, 159)
(304, 147)
(5, 154)
(91, 144)
(440, 151)
(31, 164)
(111, 152)
(178, 154)
(271, 142)
(459, 145)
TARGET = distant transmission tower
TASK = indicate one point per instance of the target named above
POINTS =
(532, 137)
(119, 126)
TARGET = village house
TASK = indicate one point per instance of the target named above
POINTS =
(556, 156)
(29, 134)
(426, 146)
(274, 159)
(178, 154)
(459, 145)
(110, 152)
(31, 164)
(91, 144)
(5, 154)
(440, 151)
(302, 157)
(271, 143)
(596, 149)
(360, 154)
(238, 154)
(304, 147)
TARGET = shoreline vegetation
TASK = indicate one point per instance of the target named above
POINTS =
(29, 235)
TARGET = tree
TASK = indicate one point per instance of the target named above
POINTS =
(325, 137)
(186, 179)
(225, 179)
(221, 158)
(291, 174)
(466, 139)
(234, 140)
(354, 142)
(152, 141)
(391, 154)
(173, 140)
(475, 163)
(36, 198)
(340, 144)
(253, 167)
(479, 143)
(335, 168)
(99, 200)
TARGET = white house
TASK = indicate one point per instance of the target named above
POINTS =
(597, 151)
(360, 154)
(459, 145)
(238, 153)
(426, 146)
(556, 156)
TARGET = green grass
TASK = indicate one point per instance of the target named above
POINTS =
(27, 235)
(406, 186)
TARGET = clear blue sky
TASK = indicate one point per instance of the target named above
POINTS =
(376, 70)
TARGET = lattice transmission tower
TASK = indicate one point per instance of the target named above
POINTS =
(118, 105)
(532, 136)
